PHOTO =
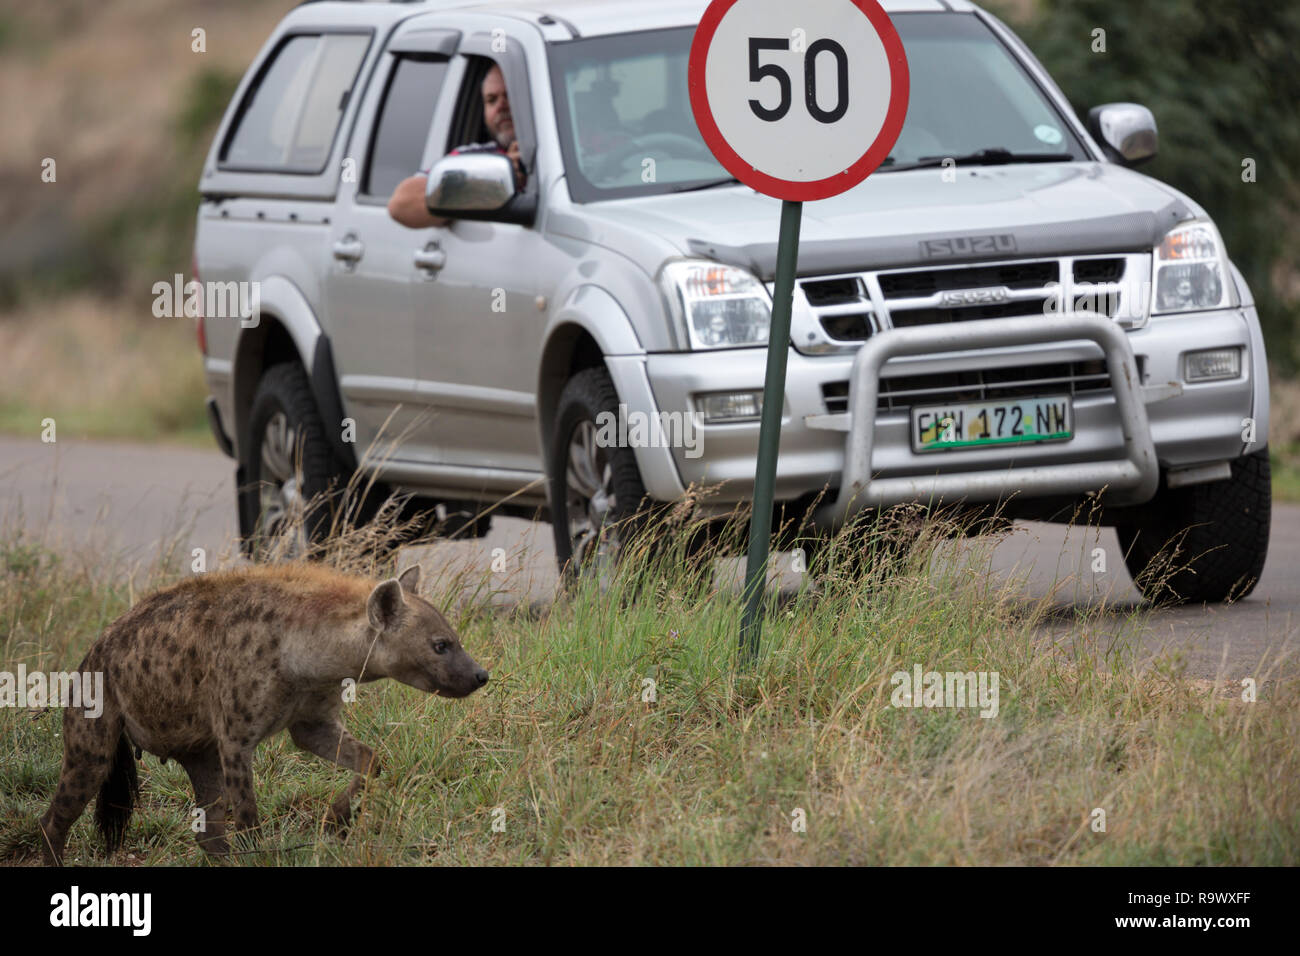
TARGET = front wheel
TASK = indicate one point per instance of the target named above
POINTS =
(598, 500)
(1204, 542)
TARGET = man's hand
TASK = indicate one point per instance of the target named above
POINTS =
(513, 153)
(407, 204)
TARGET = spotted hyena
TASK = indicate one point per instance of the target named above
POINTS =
(203, 671)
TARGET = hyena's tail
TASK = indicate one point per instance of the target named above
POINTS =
(117, 795)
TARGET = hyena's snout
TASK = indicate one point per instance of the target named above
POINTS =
(453, 674)
(469, 676)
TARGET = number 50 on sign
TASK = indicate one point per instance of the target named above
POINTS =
(800, 100)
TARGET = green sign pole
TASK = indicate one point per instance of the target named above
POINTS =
(769, 436)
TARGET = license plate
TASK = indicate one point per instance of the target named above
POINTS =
(985, 424)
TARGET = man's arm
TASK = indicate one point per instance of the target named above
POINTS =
(407, 204)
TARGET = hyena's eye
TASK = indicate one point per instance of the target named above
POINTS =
(440, 647)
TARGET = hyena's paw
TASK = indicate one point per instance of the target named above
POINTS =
(339, 816)
(214, 845)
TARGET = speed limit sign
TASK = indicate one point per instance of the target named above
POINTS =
(801, 101)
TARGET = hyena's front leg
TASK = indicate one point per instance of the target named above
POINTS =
(237, 775)
(205, 774)
(330, 740)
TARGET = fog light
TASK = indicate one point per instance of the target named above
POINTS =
(1213, 364)
(730, 407)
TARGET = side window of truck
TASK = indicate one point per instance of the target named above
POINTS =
(403, 125)
(467, 124)
(289, 118)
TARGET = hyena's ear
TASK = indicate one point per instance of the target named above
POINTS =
(410, 579)
(385, 605)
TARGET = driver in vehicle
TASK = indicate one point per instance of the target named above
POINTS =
(407, 202)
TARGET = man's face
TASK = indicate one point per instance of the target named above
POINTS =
(496, 108)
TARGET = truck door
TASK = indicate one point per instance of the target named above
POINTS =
(478, 324)
(371, 266)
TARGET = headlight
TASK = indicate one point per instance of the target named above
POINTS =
(1191, 271)
(717, 306)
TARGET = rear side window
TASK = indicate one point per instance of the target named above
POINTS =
(288, 120)
(398, 144)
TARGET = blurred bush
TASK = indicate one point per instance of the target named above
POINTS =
(151, 233)
(1223, 80)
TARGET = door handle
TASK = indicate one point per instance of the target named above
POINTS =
(349, 249)
(430, 259)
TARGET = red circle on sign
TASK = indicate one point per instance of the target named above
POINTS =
(812, 190)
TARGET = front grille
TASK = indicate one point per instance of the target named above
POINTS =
(824, 292)
(847, 309)
(843, 307)
(1098, 270)
(852, 327)
(1013, 275)
(906, 318)
(900, 393)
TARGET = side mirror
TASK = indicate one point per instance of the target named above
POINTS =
(1127, 132)
(476, 186)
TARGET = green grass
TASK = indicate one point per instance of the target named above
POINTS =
(139, 423)
(1285, 463)
(562, 747)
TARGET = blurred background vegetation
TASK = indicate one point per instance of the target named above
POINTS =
(1223, 80)
(115, 93)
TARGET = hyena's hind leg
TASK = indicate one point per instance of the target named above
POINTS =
(204, 770)
(93, 748)
(237, 776)
(330, 740)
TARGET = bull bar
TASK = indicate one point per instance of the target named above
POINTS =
(1132, 478)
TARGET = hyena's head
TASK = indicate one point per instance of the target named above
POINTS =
(416, 644)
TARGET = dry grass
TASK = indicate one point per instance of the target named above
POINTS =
(565, 753)
(103, 370)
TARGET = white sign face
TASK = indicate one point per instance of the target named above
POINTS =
(799, 100)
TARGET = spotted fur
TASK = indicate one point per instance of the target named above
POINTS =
(203, 671)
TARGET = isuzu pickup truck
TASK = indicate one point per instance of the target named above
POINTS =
(1005, 312)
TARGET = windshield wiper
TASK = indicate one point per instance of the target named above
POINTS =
(996, 156)
(730, 180)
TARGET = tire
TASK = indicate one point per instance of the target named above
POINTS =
(284, 418)
(1203, 543)
(598, 500)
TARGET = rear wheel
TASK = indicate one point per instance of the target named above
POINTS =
(289, 467)
(1204, 542)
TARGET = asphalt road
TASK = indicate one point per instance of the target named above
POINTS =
(124, 503)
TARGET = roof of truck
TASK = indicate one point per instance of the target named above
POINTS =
(596, 17)
(601, 17)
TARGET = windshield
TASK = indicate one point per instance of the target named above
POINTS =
(626, 127)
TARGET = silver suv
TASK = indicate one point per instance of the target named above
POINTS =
(1004, 312)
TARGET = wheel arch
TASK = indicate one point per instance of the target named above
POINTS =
(1260, 410)
(286, 330)
(589, 326)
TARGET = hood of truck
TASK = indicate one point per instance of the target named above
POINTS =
(914, 217)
